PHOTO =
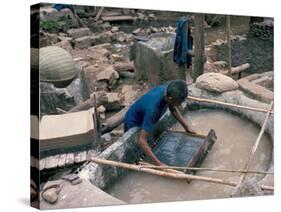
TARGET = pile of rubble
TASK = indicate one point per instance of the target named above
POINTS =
(263, 30)
(102, 55)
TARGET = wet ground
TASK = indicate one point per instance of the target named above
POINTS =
(236, 138)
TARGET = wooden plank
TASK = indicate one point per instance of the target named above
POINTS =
(118, 18)
(209, 140)
(111, 13)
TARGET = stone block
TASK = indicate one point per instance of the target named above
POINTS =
(80, 32)
(82, 42)
(109, 75)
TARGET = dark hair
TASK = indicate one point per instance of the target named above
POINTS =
(177, 89)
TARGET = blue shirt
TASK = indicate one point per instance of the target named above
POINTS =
(147, 110)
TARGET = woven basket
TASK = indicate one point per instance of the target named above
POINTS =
(56, 66)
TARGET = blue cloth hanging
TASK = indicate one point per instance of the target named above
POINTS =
(183, 43)
(59, 7)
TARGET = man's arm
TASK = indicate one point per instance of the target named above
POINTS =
(146, 148)
(174, 110)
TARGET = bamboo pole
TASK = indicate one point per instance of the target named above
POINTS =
(167, 174)
(165, 168)
(148, 165)
(228, 104)
(254, 149)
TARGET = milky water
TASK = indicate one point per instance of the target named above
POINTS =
(236, 138)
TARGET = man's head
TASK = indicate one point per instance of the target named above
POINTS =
(176, 92)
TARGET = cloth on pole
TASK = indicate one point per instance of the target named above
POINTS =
(59, 7)
(183, 43)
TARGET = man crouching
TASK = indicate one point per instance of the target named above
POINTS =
(149, 108)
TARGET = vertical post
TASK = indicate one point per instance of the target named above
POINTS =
(199, 46)
(83, 85)
(96, 123)
(228, 33)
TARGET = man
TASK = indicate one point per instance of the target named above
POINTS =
(148, 109)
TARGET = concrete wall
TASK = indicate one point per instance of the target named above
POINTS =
(125, 149)
(153, 59)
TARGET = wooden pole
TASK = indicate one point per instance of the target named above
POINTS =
(85, 105)
(254, 149)
(95, 116)
(148, 165)
(165, 168)
(114, 121)
(237, 69)
(167, 174)
(199, 46)
(228, 104)
(228, 33)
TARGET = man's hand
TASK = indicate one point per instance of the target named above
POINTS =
(181, 120)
